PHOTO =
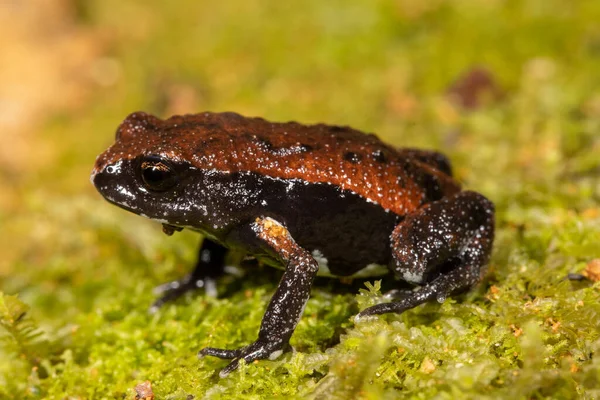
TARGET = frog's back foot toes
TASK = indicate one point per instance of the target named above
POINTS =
(405, 300)
(576, 277)
(397, 293)
(220, 353)
(260, 349)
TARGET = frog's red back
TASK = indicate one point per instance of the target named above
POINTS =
(336, 155)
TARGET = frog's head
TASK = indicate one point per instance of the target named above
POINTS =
(144, 172)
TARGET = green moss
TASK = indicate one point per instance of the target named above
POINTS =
(86, 269)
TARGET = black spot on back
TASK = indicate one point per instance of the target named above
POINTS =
(379, 156)
(211, 126)
(306, 147)
(352, 157)
(338, 128)
(428, 182)
(264, 143)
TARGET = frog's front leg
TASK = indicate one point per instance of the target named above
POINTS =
(210, 265)
(443, 247)
(286, 305)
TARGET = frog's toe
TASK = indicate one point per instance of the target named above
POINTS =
(258, 350)
(397, 293)
(383, 308)
(230, 368)
(576, 277)
(221, 353)
(404, 300)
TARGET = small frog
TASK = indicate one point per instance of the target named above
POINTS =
(305, 198)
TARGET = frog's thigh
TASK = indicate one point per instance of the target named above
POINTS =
(433, 158)
(442, 247)
(446, 233)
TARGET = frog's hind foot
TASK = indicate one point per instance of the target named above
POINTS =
(456, 280)
(260, 349)
(443, 247)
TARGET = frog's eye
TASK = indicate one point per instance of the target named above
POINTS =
(158, 174)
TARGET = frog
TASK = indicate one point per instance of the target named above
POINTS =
(305, 198)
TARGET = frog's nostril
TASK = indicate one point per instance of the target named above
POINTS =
(113, 168)
(106, 170)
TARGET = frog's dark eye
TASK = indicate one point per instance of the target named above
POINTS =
(157, 174)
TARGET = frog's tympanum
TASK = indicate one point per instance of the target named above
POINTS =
(307, 198)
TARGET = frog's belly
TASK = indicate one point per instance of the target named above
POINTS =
(370, 270)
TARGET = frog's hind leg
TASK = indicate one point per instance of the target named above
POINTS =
(443, 247)
(433, 158)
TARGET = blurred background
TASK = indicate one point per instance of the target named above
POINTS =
(508, 89)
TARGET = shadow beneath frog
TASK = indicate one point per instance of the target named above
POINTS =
(252, 275)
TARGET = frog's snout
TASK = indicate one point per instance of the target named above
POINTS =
(93, 175)
(102, 175)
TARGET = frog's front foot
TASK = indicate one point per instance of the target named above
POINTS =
(259, 350)
(210, 265)
(171, 291)
(286, 305)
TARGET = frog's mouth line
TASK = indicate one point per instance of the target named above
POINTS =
(124, 205)
(171, 227)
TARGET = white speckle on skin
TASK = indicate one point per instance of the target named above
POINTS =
(275, 355)
(127, 205)
(123, 190)
(369, 271)
(412, 277)
(321, 260)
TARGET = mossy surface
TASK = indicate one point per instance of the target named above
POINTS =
(86, 269)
